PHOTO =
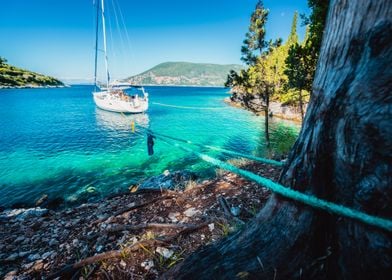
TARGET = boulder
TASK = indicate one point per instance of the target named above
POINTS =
(22, 214)
(170, 181)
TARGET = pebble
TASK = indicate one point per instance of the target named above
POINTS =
(123, 264)
(53, 242)
(38, 265)
(12, 257)
(34, 257)
(47, 254)
(10, 275)
(235, 211)
(211, 226)
(24, 254)
(19, 239)
(191, 212)
(147, 264)
(164, 252)
(173, 217)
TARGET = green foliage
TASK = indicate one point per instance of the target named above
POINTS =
(282, 139)
(299, 68)
(283, 72)
(316, 22)
(2, 61)
(11, 76)
(315, 31)
(254, 43)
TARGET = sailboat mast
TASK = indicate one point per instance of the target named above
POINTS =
(104, 44)
(96, 47)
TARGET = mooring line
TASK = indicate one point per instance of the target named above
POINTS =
(188, 107)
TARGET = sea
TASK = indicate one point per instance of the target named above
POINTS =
(56, 142)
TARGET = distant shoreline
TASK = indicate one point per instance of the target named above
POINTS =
(32, 87)
(154, 85)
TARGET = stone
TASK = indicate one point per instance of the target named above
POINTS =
(147, 264)
(20, 239)
(169, 181)
(28, 265)
(173, 217)
(164, 252)
(53, 242)
(191, 212)
(23, 214)
(38, 265)
(47, 255)
(24, 254)
(235, 211)
(34, 257)
(12, 257)
(123, 264)
(211, 226)
(11, 275)
(42, 200)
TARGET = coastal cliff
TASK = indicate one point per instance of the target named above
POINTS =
(255, 104)
(14, 77)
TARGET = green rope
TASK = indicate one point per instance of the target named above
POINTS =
(188, 107)
(259, 159)
(293, 194)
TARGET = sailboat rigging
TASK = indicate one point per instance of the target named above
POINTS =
(114, 97)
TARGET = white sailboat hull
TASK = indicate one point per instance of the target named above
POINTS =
(106, 101)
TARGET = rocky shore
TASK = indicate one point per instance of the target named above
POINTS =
(32, 86)
(255, 105)
(136, 235)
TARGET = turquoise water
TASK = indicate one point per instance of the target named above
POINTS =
(56, 142)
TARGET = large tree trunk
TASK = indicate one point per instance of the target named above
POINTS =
(343, 154)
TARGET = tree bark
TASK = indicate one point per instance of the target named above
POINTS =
(343, 154)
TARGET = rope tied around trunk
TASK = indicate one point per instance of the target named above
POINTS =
(306, 199)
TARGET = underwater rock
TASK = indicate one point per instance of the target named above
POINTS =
(169, 181)
(42, 200)
(22, 214)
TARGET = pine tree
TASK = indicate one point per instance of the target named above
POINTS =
(254, 43)
(254, 50)
(293, 37)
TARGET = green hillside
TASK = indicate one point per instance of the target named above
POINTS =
(185, 74)
(11, 76)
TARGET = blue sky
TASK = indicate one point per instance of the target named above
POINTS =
(57, 37)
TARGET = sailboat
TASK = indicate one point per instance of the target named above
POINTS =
(114, 97)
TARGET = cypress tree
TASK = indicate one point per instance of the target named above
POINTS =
(293, 37)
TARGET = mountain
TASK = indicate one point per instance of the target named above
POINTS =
(11, 76)
(185, 74)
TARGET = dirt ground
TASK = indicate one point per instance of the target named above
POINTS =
(138, 235)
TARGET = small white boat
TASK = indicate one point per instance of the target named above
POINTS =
(114, 98)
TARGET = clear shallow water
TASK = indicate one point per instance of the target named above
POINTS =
(56, 142)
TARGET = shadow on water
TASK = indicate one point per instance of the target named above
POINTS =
(120, 122)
